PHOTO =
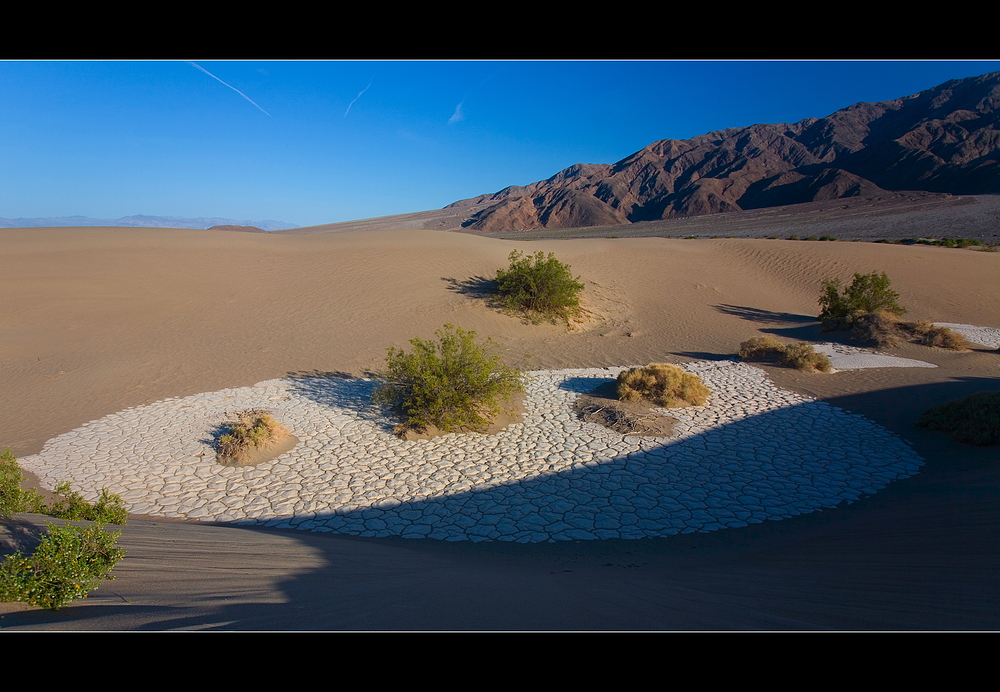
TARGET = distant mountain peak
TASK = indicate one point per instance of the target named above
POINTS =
(943, 139)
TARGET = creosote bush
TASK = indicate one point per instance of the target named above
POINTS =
(974, 419)
(801, 356)
(540, 286)
(14, 500)
(71, 560)
(664, 385)
(252, 430)
(453, 384)
(842, 307)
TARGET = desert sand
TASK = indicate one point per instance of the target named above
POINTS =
(97, 320)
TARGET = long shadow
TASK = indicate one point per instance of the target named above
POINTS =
(764, 316)
(920, 554)
(475, 287)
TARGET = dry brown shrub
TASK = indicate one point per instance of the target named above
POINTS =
(664, 385)
(762, 349)
(880, 329)
(938, 337)
(802, 356)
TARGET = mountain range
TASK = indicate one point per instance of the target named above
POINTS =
(944, 139)
(143, 221)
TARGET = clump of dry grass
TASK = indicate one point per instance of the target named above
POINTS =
(664, 385)
(938, 337)
(762, 349)
(886, 330)
(880, 329)
(801, 356)
(252, 430)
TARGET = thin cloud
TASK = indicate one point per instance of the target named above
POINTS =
(231, 87)
(358, 96)
(458, 116)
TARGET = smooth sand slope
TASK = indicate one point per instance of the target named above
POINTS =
(98, 320)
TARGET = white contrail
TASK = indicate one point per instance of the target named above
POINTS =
(231, 87)
(358, 96)
(458, 115)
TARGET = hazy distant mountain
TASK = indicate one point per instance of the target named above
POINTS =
(142, 220)
(945, 139)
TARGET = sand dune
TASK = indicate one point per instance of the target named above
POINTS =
(100, 319)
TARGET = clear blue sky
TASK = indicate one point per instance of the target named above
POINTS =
(312, 142)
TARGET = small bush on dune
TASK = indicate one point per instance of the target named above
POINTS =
(767, 349)
(879, 329)
(802, 356)
(453, 384)
(69, 562)
(868, 293)
(541, 286)
(251, 431)
(14, 500)
(938, 337)
(974, 419)
(664, 385)
(762, 349)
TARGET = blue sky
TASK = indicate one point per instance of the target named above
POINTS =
(312, 142)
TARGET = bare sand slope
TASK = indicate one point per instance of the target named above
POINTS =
(97, 320)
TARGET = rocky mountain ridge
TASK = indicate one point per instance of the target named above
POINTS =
(944, 139)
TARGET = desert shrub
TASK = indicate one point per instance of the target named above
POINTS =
(69, 562)
(762, 349)
(664, 385)
(867, 293)
(974, 419)
(541, 286)
(453, 384)
(252, 430)
(108, 509)
(938, 337)
(802, 356)
(14, 500)
(879, 329)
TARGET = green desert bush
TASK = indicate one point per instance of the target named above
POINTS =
(539, 286)
(108, 509)
(69, 562)
(453, 384)
(842, 307)
(252, 430)
(14, 500)
(974, 419)
(664, 385)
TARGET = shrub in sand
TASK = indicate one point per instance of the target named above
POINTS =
(540, 286)
(70, 561)
(885, 330)
(767, 349)
(974, 419)
(938, 337)
(802, 356)
(762, 349)
(453, 384)
(664, 385)
(842, 307)
(251, 431)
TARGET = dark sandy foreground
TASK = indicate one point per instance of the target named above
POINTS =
(113, 318)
